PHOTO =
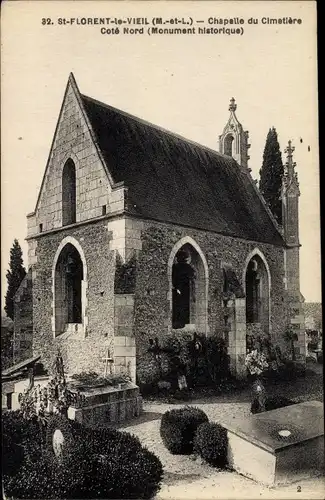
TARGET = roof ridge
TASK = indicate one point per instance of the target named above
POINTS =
(158, 128)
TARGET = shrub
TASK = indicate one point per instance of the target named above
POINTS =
(277, 402)
(121, 467)
(20, 437)
(93, 464)
(271, 403)
(149, 389)
(210, 442)
(216, 357)
(203, 360)
(44, 479)
(182, 395)
(257, 338)
(291, 371)
(40, 473)
(71, 431)
(178, 427)
(12, 450)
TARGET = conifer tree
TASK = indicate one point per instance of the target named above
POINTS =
(7, 330)
(271, 174)
(15, 275)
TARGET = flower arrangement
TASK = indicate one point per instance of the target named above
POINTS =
(256, 362)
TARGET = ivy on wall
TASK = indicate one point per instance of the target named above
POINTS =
(125, 275)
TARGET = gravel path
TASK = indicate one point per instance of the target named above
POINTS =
(188, 478)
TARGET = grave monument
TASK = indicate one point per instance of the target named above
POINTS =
(278, 446)
(94, 401)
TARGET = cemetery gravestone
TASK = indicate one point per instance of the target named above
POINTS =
(58, 443)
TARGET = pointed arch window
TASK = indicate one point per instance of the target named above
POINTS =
(257, 293)
(69, 276)
(183, 280)
(188, 290)
(69, 193)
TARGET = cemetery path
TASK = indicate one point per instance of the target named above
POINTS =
(187, 477)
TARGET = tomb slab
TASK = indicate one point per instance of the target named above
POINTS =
(106, 406)
(278, 446)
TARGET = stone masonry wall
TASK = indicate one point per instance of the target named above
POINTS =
(73, 141)
(152, 307)
(82, 349)
(94, 194)
(154, 242)
(294, 301)
(124, 340)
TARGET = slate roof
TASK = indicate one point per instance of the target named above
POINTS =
(172, 179)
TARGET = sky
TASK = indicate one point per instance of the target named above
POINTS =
(180, 82)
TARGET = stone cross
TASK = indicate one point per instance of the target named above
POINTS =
(107, 360)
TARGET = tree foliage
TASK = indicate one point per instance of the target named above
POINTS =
(7, 330)
(271, 174)
(15, 275)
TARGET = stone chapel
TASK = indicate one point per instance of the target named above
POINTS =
(138, 233)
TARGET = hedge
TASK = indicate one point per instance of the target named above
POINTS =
(20, 438)
(178, 427)
(210, 442)
(93, 464)
(121, 467)
(271, 403)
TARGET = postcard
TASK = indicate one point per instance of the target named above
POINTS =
(162, 318)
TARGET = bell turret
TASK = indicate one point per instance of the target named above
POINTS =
(234, 140)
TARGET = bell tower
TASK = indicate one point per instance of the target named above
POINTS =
(290, 217)
(234, 140)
